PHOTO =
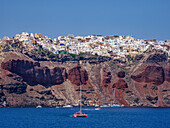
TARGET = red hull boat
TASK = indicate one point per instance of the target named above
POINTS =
(79, 114)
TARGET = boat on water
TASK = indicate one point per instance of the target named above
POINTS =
(80, 113)
(67, 106)
(97, 109)
(39, 106)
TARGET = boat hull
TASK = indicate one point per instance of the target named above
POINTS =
(79, 115)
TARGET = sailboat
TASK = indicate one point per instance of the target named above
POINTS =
(80, 113)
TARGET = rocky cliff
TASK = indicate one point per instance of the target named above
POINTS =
(34, 74)
(140, 82)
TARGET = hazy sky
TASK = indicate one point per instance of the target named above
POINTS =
(149, 19)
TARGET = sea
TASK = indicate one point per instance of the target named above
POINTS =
(105, 118)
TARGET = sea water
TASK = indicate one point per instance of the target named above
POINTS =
(104, 118)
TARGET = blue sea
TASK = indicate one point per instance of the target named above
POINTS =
(104, 118)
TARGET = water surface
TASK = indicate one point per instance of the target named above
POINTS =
(104, 118)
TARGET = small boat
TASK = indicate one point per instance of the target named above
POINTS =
(79, 114)
(67, 106)
(39, 106)
(97, 108)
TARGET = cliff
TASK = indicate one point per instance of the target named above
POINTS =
(24, 81)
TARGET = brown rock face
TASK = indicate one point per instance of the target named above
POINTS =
(167, 74)
(157, 57)
(107, 76)
(17, 88)
(77, 75)
(120, 84)
(33, 74)
(121, 74)
(152, 74)
(28, 83)
(120, 97)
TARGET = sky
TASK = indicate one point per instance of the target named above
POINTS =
(143, 19)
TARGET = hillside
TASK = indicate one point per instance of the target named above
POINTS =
(28, 78)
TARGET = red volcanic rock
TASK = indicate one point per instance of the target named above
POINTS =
(106, 77)
(77, 75)
(120, 84)
(152, 74)
(84, 76)
(121, 74)
(58, 75)
(120, 97)
(19, 66)
(107, 80)
(33, 74)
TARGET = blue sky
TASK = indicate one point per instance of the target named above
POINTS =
(148, 19)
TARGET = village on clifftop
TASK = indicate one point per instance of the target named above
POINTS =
(116, 46)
